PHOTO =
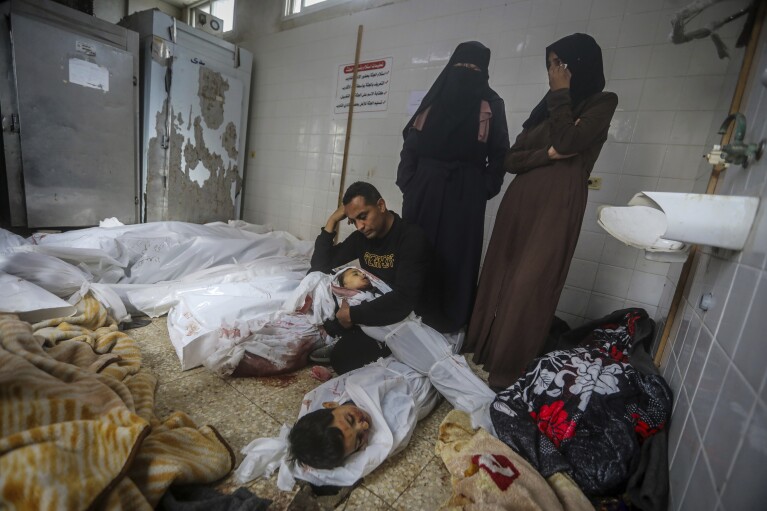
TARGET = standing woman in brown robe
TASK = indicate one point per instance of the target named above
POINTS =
(540, 216)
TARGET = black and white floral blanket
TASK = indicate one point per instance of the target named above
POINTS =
(586, 410)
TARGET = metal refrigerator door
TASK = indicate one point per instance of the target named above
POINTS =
(77, 119)
(204, 179)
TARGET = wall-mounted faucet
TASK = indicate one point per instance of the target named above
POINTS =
(736, 152)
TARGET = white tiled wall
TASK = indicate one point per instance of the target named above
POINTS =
(716, 362)
(672, 99)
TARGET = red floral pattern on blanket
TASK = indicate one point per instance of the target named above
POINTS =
(553, 422)
(586, 410)
(618, 355)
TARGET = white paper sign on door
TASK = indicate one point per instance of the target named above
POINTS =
(88, 74)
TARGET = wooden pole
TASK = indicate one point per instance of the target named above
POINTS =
(347, 139)
(737, 98)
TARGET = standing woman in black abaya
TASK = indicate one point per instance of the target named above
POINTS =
(451, 164)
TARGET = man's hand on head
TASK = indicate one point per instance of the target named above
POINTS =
(337, 215)
(343, 315)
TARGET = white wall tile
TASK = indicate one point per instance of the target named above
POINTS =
(605, 30)
(688, 343)
(702, 493)
(622, 127)
(629, 93)
(681, 161)
(728, 423)
(607, 8)
(634, 28)
(700, 92)
(631, 62)
(681, 410)
(709, 385)
(704, 59)
(611, 158)
(684, 461)
(751, 351)
(662, 93)
(745, 488)
(644, 159)
(655, 127)
(698, 355)
(691, 127)
(679, 325)
(717, 281)
(669, 60)
(736, 310)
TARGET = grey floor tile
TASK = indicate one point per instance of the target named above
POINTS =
(207, 399)
(396, 474)
(429, 490)
(362, 499)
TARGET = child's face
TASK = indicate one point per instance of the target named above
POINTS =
(355, 279)
(354, 424)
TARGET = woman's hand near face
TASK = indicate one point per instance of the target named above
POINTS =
(559, 77)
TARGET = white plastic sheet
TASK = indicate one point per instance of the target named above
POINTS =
(32, 303)
(219, 318)
(9, 241)
(162, 251)
(50, 273)
(127, 258)
(61, 279)
(430, 353)
(157, 299)
(279, 337)
(395, 396)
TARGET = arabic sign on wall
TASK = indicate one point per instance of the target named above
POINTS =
(372, 93)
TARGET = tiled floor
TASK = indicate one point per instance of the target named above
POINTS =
(243, 409)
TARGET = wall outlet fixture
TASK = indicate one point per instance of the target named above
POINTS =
(595, 183)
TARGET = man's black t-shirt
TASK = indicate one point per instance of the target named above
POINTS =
(402, 259)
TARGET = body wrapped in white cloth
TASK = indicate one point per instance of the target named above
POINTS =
(392, 393)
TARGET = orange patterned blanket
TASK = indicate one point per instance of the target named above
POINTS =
(77, 423)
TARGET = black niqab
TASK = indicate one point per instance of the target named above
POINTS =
(583, 57)
(451, 128)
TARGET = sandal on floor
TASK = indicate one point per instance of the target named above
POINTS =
(321, 355)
